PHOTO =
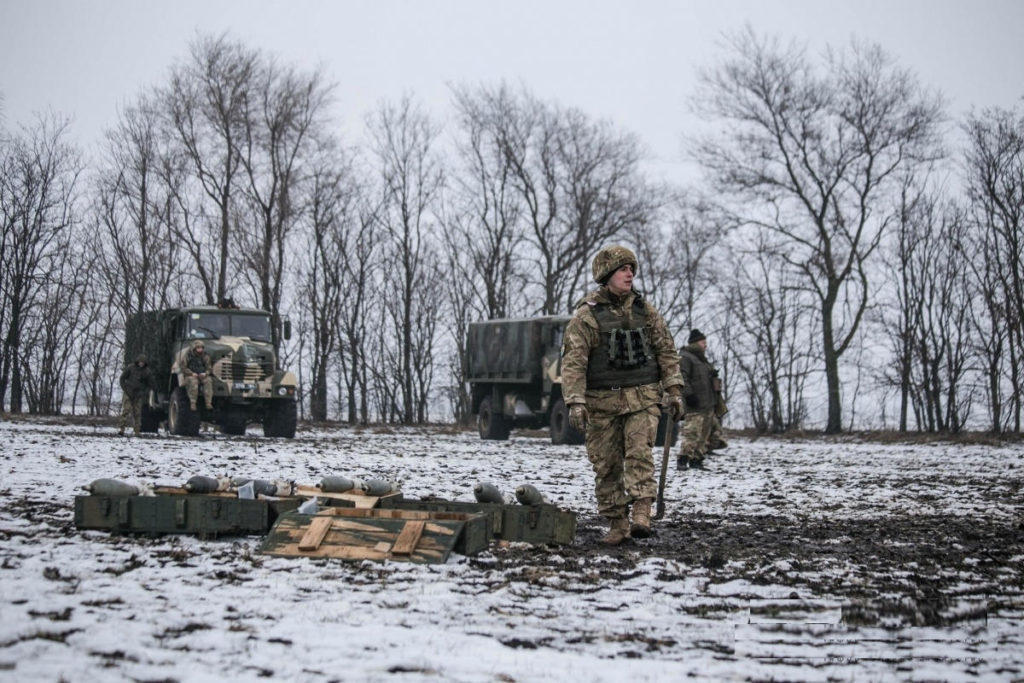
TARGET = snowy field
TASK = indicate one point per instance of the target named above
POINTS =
(795, 560)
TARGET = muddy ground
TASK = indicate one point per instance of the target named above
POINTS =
(812, 558)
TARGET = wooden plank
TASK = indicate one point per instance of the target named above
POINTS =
(408, 537)
(314, 535)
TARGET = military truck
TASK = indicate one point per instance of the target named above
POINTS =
(248, 386)
(515, 377)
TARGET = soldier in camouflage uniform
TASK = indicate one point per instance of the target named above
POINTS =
(136, 381)
(196, 366)
(618, 358)
(704, 404)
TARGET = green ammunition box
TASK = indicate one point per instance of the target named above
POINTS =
(538, 524)
(207, 516)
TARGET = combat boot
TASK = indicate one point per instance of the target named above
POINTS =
(618, 533)
(641, 527)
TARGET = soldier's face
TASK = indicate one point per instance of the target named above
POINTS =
(621, 280)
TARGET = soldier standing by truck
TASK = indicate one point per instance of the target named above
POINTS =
(618, 358)
(196, 367)
(136, 382)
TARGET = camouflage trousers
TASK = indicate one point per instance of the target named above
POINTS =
(131, 413)
(695, 433)
(715, 440)
(619, 449)
(192, 383)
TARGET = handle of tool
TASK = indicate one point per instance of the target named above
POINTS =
(670, 426)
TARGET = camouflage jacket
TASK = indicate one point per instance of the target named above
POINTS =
(582, 337)
(192, 363)
(136, 380)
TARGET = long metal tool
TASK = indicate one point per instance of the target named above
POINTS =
(670, 428)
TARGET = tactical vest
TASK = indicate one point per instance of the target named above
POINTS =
(624, 357)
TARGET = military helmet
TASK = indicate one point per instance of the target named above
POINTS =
(610, 259)
(141, 358)
(197, 343)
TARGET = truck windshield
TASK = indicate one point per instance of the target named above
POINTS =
(211, 325)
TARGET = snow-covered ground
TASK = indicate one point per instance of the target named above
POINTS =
(808, 560)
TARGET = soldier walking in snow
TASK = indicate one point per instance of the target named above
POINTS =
(618, 359)
(136, 381)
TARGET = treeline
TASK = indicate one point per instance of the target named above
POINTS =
(851, 248)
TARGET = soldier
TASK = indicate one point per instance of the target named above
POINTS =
(195, 365)
(136, 381)
(703, 396)
(618, 358)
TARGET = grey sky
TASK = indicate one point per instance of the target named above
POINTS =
(633, 63)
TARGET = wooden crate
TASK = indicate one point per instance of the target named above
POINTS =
(377, 534)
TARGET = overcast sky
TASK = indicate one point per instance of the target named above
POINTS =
(631, 62)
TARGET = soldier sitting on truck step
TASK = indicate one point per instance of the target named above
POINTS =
(196, 366)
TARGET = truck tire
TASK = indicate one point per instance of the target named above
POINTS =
(181, 419)
(493, 426)
(561, 431)
(280, 419)
(233, 423)
(149, 420)
(663, 422)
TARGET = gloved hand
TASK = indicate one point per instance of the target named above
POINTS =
(578, 416)
(674, 404)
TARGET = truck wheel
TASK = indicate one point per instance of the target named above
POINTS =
(233, 423)
(280, 419)
(492, 426)
(663, 422)
(561, 431)
(149, 420)
(181, 419)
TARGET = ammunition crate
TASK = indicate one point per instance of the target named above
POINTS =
(377, 534)
(207, 516)
(537, 524)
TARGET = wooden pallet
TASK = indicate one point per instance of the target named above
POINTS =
(373, 534)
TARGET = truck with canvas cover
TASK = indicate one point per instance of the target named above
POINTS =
(248, 385)
(514, 372)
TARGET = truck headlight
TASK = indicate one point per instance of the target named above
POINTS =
(281, 391)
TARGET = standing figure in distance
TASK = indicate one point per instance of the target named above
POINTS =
(703, 398)
(618, 360)
(136, 381)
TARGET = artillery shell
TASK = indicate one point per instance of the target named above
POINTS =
(527, 494)
(379, 487)
(487, 493)
(199, 484)
(111, 487)
(262, 487)
(335, 484)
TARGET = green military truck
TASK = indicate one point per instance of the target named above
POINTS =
(515, 377)
(248, 386)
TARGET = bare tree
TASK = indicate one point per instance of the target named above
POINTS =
(333, 219)
(206, 106)
(39, 172)
(411, 178)
(282, 115)
(809, 153)
(994, 168)
(136, 255)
